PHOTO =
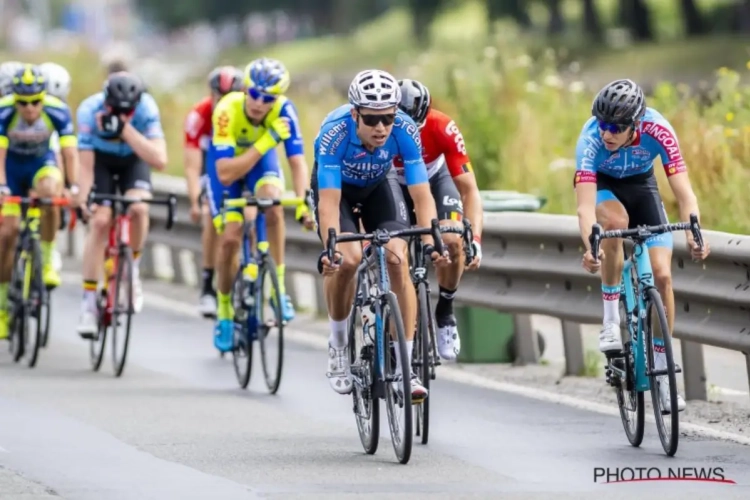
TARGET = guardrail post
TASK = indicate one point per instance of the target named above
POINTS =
(747, 364)
(573, 347)
(526, 341)
(693, 371)
(178, 276)
(320, 299)
(146, 269)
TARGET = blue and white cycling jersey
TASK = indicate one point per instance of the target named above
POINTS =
(342, 158)
(656, 137)
(145, 119)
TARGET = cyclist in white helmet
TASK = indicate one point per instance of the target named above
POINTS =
(7, 72)
(354, 152)
(58, 85)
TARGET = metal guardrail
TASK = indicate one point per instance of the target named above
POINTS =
(532, 265)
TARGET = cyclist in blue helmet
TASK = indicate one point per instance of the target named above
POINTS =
(28, 119)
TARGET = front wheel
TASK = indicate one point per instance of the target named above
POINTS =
(397, 378)
(34, 305)
(242, 353)
(122, 309)
(270, 323)
(629, 400)
(421, 361)
(362, 361)
(669, 430)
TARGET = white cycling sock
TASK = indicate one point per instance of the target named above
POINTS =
(409, 349)
(337, 338)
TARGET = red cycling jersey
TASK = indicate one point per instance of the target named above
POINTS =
(442, 143)
(198, 125)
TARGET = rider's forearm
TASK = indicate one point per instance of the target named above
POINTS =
(586, 199)
(472, 208)
(300, 175)
(86, 172)
(152, 151)
(424, 206)
(193, 160)
(3, 155)
(232, 169)
(70, 159)
(328, 212)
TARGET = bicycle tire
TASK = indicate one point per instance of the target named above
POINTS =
(423, 368)
(268, 268)
(669, 437)
(33, 305)
(18, 316)
(364, 357)
(629, 393)
(391, 315)
(124, 272)
(47, 308)
(242, 340)
(97, 345)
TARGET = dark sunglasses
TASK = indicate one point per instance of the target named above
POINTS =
(35, 102)
(256, 94)
(373, 120)
(613, 128)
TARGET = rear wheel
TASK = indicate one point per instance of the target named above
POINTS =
(122, 309)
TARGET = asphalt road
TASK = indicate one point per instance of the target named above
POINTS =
(177, 426)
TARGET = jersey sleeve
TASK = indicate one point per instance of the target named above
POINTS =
(409, 143)
(152, 128)
(194, 124)
(60, 116)
(86, 121)
(587, 150)
(329, 153)
(223, 142)
(5, 116)
(294, 145)
(454, 149)
(667, 146)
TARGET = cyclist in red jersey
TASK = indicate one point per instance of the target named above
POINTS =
(221, 81)
(455, 190)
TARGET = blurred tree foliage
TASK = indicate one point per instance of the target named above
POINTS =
(342, 16)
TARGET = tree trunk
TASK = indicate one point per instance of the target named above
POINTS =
(591, 22)
(694, 24)
(556, 19)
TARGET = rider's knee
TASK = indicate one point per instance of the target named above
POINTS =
(100, 223)
(612, 220)
(274, 216)
(662, 277)
(47, 188)
(453, 243)
(231, 237)
(396, 255)
(138, 211)
(8, 228)
(352, 256)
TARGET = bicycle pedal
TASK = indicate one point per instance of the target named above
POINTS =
(611, 355)
(677, 368)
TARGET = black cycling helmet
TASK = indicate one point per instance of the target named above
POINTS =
(225, 79)
(415, 100)
(122, 91)
(621, 102)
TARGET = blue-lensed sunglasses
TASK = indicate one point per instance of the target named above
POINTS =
(613, 128)
(256, 94)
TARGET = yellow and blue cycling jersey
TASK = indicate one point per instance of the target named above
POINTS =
(29, 155)
(233, 134)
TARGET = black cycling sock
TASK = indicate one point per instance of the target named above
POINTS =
(208, 281)
(445, 304)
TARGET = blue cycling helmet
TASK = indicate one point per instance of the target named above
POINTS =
(267, 75)
(29, 81)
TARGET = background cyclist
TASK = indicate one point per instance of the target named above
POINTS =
(454, 188)
(616, 186)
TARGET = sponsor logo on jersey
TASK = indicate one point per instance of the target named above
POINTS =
(331, 140)
(584, 176)
(665, 138)
(222, 125)
(451, 130)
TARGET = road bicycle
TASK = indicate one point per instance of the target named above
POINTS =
(256, 296)
(28, 298)
(632, 371)
(374, 372)
(425, 357)
(115, 299)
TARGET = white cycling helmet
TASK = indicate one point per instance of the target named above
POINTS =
(374, 89)
(7, 71)
(58, 80)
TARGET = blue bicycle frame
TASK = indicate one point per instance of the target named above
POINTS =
(633, 298)
(384, 286)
